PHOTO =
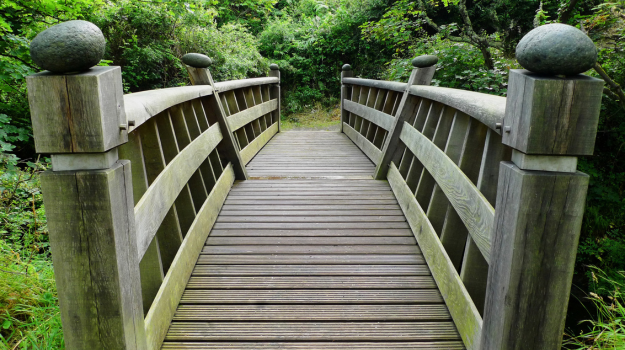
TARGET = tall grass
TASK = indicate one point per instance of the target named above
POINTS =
(29, 312)
(608, 326)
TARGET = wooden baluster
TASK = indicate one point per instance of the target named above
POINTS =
(540, 205)
(207, 170)
(393, 149)
(248, 96)
(355, 95)
(474, 271)
(426, 182)
(346, 93)
(362, 99)
(80, 119)
(437, 208)
(429, 127)
(150, 267)
(274, 93)
(377, 105)
(454, 232)
(242, 105)
(370, 102)
(231, 107)
(170, 233)
(418, 123)
(389, 103)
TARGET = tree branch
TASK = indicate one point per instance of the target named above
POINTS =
(567, 11)
(614, 87)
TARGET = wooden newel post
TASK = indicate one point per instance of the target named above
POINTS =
(197, 67)
(80, 119)
(549, 121)
(422, 74)
(274, 93)
(346, 92)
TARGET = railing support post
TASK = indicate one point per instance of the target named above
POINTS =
(422, 74)
(274, 92)
(80, 119)
(346, 92)
(197, 67)
(540, 204)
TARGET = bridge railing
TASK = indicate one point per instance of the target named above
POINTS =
(137, 182)
(490, 189)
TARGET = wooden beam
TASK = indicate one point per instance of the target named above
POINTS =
(246, 116)
(255, 146)
(365, 145)
(378, 118)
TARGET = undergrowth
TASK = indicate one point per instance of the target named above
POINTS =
(607, 327)
(29, 312)
(317, 118)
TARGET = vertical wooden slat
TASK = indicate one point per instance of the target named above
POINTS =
(474, 271)
(422, 112)
(429, 127)
(427, 182)
(454, 233)
(150, 266)
(355, 95)
(362, 99)
(437, 209)
(169, 234)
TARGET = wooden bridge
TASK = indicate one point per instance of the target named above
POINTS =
(183, 218)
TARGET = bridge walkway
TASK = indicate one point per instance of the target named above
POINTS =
(326, 261)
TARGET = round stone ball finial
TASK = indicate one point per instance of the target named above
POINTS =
(424, 61)
(556, 49)
(72, 46)
(346, 67)
(274, 66)
(196, 60)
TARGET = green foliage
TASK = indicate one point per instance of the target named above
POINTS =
(460, 66)
(29, 314)
(608, 326)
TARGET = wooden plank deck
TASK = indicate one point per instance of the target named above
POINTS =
(310, 155)
(320, 263)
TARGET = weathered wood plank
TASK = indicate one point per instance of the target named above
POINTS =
(224, 86)
(255, 146)
(380, 84)
(311, 282)
(358, 331)
(365, 145)
(311, 296)
(447, 345)
(311, 270)
(380, 119)
(463, 311)
(162, 311)
(260, 259)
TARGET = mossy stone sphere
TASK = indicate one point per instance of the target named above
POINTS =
(556, 49)
(424, 61)
(274, 66)
(347, 67)
(196, 60)
(73, 46)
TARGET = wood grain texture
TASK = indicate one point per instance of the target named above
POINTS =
(141, 106)
(365, 145)
(539, 217)
(461, 307)
(224, 86)
(165, 189)
(380, 84)
(488, 109)
(83, 111)
(376, 117)
(255, 146)
(475, 211)
(162, 311)
(90, 220)
(447, 345)
(551, 115)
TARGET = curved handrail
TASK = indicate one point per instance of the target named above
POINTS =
(379, 84)
(141, 106)
(237, 84)
(488, 109)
